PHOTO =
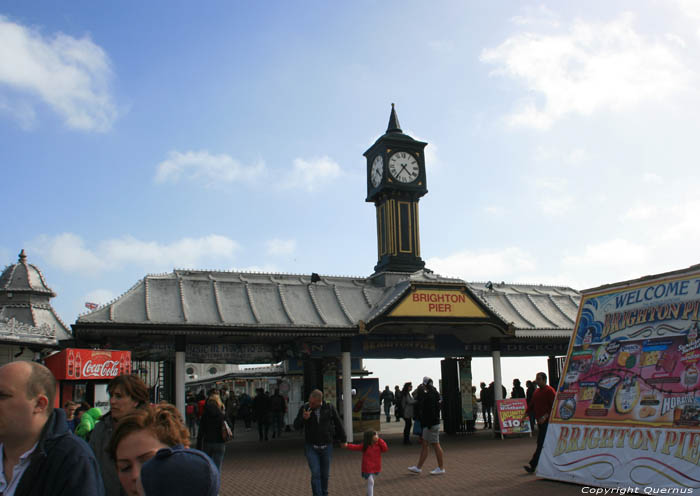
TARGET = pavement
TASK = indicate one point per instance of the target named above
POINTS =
(477, 464)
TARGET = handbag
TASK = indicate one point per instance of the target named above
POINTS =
(226, 432)
(417, 429)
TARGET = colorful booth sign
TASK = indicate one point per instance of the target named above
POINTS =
(627, 412)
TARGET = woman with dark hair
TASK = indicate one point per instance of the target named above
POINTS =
(127, 393)
(143, 434)
(210, 438)
(407, 402)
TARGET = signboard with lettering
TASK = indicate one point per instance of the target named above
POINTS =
(512, 418)
(627, 411)
(437, 303)
(80, 365)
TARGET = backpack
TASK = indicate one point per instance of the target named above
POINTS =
(189, 410)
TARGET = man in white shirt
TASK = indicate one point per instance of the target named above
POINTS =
(39, 454)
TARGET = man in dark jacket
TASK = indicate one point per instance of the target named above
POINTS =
(486, 397)
(278, 406)
(387, 397)
(322, 425)
(263, 413)
(40, 456)
(429, 415)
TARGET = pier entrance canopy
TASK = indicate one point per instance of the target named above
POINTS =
(403, 310)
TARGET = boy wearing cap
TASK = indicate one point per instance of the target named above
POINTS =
(429, 416)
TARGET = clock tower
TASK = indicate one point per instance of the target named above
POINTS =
(395, 183)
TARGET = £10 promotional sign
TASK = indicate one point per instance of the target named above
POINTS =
(512, 414)
(627, 411)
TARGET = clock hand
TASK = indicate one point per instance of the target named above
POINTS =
(403, 169)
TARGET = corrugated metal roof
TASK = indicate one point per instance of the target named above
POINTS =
(239, 299)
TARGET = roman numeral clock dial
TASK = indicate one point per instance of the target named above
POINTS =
(403, 167)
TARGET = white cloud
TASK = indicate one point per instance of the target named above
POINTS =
(207, 169)
(613, 253)
(311, 174)
(639, 213)
(68, 252)
(651, 178)
(592, 67)
(70, 75)
(553, 197)
(495, 210)
(506, 264)
(280, 246)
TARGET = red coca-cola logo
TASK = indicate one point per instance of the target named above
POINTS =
(108, 368)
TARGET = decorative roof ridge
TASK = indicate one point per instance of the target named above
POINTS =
(251, 302)
(217, 299)
(520, 284)
(517, 311)
(182, 299)
(342, 304)
(281, 290)
(251, 272)
(539, 310)
(312, 292)
(554, 302)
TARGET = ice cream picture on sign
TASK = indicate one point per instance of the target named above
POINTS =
(437, 303)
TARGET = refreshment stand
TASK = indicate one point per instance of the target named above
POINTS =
(83, 374)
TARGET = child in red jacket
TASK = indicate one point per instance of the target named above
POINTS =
(372, 448)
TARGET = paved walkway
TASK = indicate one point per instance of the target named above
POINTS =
(476, 465)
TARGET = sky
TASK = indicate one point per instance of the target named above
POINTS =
(139, 137)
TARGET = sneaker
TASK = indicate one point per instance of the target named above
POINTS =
(414, 469)
(437, 471)
(529, 469)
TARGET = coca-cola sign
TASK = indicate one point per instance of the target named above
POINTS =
(78, 364)
(108, 368)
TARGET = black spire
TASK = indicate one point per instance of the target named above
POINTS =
(394, 126)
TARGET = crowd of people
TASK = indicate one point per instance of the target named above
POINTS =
(138, 448)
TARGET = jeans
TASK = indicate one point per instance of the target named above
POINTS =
(263, 427)
(387, 411)
(407, 430)
(277, 423)
(541, 433)
(216, 452)
(487, 415)
(320, 466)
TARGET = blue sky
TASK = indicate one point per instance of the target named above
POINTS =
(137, 137)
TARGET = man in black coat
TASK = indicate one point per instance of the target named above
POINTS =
(40, 456)
(322, 426)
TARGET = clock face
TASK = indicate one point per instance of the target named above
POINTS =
(377, 171)
(403, 167)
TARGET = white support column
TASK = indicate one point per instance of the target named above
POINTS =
(347, 396)
(497, 380)
(180, 382)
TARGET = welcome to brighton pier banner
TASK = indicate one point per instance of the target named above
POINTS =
(627, 411)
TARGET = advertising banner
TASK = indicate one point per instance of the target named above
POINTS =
(330, 382)
(365, 405)
(511, 414)
(627, 412)
(465, 388)
(80, 365)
